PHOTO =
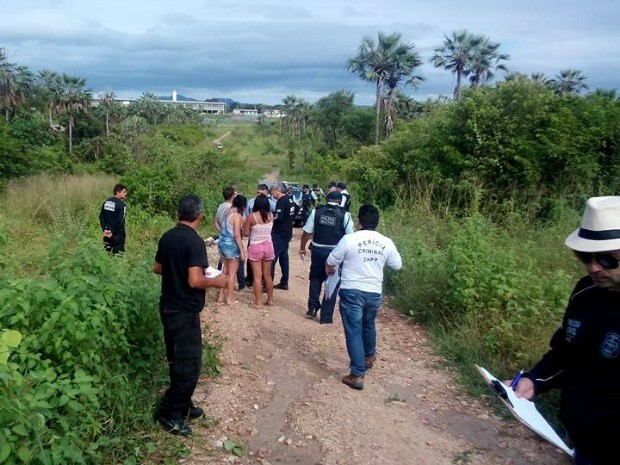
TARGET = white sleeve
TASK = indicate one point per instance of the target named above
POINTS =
(337, 255)
(393, 259)
(348, 224)
(309, 226)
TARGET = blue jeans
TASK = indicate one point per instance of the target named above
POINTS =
(358, 310)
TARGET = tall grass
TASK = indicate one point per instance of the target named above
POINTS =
(36, 209)
(82, 385)
(490, 280)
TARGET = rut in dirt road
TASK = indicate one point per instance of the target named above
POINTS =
(280, 394)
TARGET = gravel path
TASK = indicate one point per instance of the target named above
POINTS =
(280, 395)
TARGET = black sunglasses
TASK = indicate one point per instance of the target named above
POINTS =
(606, 260)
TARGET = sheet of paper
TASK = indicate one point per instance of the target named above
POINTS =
(331, 283)
(211, 272)
(525, 411)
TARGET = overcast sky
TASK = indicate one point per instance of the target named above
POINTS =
(260, 51)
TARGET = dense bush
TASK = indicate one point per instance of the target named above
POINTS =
(83, 372)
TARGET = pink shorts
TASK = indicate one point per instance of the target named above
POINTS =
(261, 251)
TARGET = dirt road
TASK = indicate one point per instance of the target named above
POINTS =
(280, 395)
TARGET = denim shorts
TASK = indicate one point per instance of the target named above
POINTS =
(228, 248)
(261, 251)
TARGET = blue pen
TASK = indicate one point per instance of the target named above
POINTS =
(516, 379)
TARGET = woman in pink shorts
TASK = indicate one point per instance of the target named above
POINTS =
(257, 227)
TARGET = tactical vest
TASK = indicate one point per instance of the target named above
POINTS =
(328, 224)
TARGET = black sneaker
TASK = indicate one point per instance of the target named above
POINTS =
(311, 313)
(176, 427)
(281, 286)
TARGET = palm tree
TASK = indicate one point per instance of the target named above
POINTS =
(389, 58)
(72, 99)
(407, 63)
(50, 82)
(107, 100)
(569, 81)
(147, 107)
(15, 83)
(456, 55)
(485, 60)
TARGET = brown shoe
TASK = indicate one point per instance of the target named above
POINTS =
(370, 361)
(355, 382)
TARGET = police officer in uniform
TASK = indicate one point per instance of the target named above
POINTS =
(346, 197)
(326, 225)
(282, 232)
(112, 220)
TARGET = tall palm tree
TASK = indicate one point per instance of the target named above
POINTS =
(456, 55)
(407, 60)
(107, 100)
(50, 83)
(72, 99)
(485, 60)
(15, 84)
(569, 81)
(376, 62)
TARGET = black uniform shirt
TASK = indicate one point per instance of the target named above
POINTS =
(584, 361)
(283, 217)
(112, 215)
(180, 248)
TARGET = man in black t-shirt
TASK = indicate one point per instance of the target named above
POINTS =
(282, 232)
(112, 220)
(181, 260)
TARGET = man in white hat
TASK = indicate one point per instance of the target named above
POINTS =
(584, 356)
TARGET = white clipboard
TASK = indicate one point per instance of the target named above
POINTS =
(331, 283)
(525, 411)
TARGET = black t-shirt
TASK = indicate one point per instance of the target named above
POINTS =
(283, 217)
(179, 249)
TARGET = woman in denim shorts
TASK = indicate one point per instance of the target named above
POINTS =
(230, 245)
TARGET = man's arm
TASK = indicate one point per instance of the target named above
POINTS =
(157, 268)
(394, 260)
(305, 237)
(336, 257)
(348, 223)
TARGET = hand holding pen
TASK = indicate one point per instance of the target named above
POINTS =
(515, 380)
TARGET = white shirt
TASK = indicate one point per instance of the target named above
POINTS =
(343, 203)
(363, 255)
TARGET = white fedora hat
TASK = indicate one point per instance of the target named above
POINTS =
(600, 226)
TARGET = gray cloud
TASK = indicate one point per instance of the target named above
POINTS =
(263, 50)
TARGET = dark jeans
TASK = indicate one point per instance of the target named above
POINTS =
(317, 278)
(280, 248)
(241, 274)
(116, 243)
(183, 340)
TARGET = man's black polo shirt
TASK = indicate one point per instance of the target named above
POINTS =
(180, 248)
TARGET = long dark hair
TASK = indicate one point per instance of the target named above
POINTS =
(261, 205)
(239, 202)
